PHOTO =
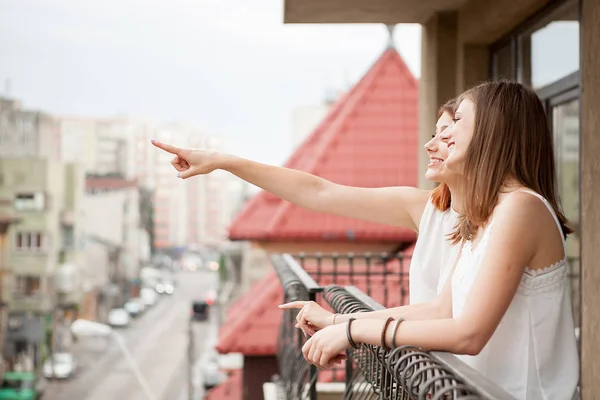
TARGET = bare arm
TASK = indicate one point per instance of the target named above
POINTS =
(513, 243)
(398, 206)
(441, 307)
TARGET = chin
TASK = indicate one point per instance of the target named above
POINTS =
(433, 176)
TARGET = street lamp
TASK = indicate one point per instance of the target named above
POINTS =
(82, 327)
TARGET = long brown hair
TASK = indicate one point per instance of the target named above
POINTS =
(511, 139)
(441, 197)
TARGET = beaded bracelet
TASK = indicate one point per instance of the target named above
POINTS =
(349, 335)
(333, 320)
(385, 326)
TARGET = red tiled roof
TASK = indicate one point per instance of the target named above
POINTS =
(369, 139)
(253, 321)
(231, 389)
(252, 329)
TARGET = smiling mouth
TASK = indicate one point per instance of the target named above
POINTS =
(434, 161)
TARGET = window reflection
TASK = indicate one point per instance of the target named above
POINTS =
(565, 121)
(502, 62)
(549, 50)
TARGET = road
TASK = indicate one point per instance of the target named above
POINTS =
(158, 341)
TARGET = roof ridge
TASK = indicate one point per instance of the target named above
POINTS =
(351, 100)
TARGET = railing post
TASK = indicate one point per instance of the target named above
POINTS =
(313, 372)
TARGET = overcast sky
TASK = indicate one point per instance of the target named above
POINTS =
(229, 66)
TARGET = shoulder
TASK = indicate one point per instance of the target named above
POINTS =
(417, 202)
(523, 217)
(520, 208)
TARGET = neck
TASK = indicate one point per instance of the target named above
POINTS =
(457, 195)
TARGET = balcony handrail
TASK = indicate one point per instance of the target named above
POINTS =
(421, 368)
(298, 378)
(291, 274)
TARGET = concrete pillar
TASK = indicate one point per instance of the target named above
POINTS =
(473, 66)
(590, 192)
(438, 78)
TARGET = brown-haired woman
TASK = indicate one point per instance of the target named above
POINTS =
(506, 309)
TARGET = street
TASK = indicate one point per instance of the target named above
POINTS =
(158, 340)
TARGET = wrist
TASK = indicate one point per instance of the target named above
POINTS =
(358, 331)
(226, 162)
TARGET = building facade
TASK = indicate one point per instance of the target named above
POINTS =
(548, 45)
(27, 133)
(43, 194)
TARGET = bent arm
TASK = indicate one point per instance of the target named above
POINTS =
(398, 206)
(440, 308)
(511, 247)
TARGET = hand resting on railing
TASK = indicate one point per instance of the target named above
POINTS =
(312, 317)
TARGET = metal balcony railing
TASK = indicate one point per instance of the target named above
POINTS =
(370, 371)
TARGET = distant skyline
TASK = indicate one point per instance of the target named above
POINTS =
(229, 67)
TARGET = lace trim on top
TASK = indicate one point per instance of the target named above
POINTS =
(533, 280)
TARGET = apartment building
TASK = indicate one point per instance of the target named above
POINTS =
(27, 133)
(44, 195)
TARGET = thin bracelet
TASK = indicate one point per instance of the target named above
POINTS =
(333, 321)
(349, 335)
(396, 326)
(385, 326)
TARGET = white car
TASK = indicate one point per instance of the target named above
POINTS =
(60, 366)
(135, 306)
(118, 317)
(148, 296)
(212, 375)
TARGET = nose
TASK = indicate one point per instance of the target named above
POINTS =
(445, 134)
(431, 145)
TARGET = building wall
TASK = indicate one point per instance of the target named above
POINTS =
(257, 370)
(40, 177)
(590, 191)
(27, 133)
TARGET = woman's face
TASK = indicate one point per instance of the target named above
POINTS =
(438, 152)
(459, 134)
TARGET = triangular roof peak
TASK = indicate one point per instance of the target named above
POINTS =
(369, 138)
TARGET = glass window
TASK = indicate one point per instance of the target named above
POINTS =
(502, 62)
(565, 123)
(549, 50)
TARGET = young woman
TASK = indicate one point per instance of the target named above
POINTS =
(506, 309)
(428, 213)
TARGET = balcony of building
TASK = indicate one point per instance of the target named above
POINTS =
(342, 284)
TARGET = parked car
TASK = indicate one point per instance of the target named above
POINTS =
(212, 375)
(118, 317)
(21, 386)
(165, 287)
(135, 306)
(200, 311)
(60, 366)
(148, 296)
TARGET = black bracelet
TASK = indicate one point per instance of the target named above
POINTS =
(396, 326)
(349, 335)
(385, 326)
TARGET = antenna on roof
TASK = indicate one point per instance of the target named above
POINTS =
(390, 29)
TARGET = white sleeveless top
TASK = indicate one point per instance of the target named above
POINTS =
(433, 256)
(533, 352)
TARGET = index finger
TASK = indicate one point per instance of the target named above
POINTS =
(293, 304)
(166, 147)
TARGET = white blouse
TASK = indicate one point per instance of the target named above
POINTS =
(434, 255)
(533, 352)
